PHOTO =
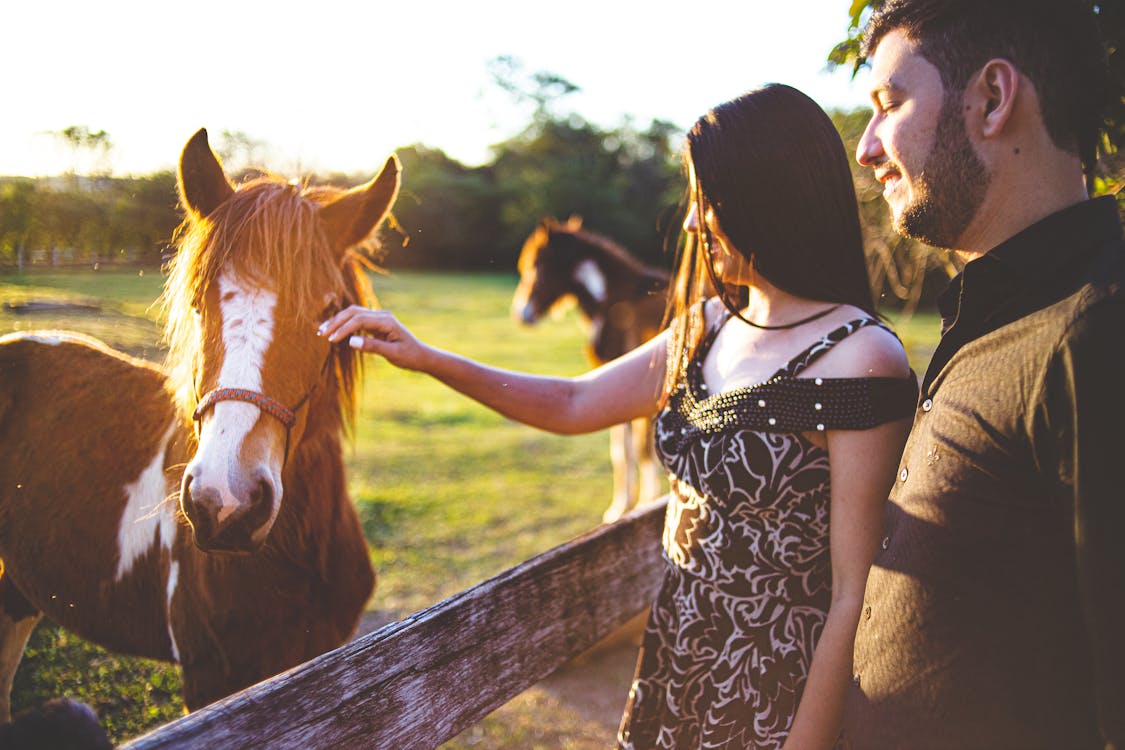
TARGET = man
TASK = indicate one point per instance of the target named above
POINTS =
(995, 611)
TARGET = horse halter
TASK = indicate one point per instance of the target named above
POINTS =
(267, 405)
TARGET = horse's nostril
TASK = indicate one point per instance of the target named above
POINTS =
(262, 494)
(199, 519)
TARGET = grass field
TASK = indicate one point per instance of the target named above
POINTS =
(448, 492)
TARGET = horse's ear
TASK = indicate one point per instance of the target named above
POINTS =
(203, 184)
(355, 214)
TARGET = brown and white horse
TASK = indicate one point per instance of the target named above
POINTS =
(623, 302)
(261, 564)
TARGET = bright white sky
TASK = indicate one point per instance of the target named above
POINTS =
(339, 84)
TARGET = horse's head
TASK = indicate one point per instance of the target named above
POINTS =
(554, 265)
(257, 269)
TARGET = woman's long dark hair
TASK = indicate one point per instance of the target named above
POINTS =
(771, 166)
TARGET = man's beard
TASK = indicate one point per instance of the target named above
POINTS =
(950, 188)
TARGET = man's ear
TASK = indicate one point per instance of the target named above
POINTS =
(990, 97)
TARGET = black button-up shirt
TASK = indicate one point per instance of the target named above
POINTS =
(995, 611)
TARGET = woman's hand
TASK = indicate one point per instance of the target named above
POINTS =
(377, 332)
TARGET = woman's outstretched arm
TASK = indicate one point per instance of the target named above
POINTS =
(624, 389)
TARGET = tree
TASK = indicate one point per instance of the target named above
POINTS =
(623, 181)
(241, 152)
(17, 205)
(448, 213)
(89, 149)
(541, 88)
(140, 217)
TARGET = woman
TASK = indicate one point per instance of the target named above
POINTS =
(782, 401)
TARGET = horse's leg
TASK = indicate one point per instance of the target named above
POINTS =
(621, 452)
(17, 619)
(649, 467)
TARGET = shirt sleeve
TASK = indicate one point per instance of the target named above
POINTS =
(1084, 401)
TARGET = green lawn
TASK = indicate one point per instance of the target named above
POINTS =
(448, 492)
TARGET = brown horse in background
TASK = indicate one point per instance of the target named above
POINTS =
(623, 302)
(262, 563)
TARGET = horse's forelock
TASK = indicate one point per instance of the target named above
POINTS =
(269, 234)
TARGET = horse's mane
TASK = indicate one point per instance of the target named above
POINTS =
(599, 242)
(268, 232)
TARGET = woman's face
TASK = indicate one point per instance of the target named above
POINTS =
(730, 266)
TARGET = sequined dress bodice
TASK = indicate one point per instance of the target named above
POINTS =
(748, 583)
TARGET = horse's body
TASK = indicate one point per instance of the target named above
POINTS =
(623, 302)
(242, 578)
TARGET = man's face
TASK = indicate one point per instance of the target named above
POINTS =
(916, 142)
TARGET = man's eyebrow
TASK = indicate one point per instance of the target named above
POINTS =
(887, 86)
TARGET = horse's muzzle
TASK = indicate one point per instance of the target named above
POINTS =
(525, 314)
(216, 527)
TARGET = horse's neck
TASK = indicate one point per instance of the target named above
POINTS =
(620, 281)
(314, 477)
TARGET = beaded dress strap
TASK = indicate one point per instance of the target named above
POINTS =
(802, 361)
(785, 403)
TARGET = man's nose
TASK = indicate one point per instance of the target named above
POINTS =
(869, 150)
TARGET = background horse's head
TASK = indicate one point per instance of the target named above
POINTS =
(554, 265)
(256, 270)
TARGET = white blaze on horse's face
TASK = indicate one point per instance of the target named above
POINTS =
(590, 277)
(236, 469)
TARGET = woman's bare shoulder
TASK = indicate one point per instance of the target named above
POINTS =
(870, 352)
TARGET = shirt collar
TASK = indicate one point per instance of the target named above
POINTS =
(1037, 256)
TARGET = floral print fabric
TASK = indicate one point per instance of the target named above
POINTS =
(745, 596)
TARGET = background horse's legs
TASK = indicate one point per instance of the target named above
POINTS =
(648, 465)
(17, 619)
(622, 452)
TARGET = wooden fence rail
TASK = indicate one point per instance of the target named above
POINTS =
(421, 681)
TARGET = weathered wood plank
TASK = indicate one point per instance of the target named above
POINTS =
(418, 682)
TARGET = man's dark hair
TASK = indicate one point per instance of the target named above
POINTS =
(1055, 43)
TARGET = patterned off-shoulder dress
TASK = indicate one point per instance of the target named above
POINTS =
(748, 581)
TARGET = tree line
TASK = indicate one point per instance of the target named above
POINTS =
(625, 181)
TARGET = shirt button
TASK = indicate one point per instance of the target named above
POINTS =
(927, 404)
(855, 679)
(867, 612)
(902, 475)
(886, 542)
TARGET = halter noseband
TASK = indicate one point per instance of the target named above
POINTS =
(279, 411)
(273, 407)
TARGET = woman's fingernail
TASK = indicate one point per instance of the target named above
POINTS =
(320, 330)
(356, 342)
